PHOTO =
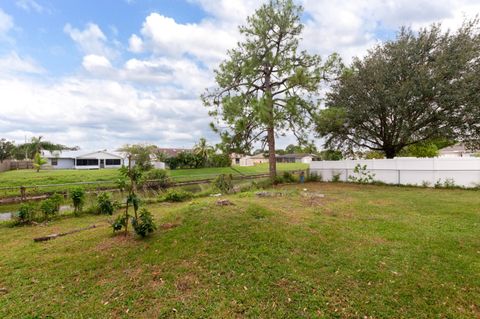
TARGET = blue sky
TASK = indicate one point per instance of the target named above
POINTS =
(100, 74)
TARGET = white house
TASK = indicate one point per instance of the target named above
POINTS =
(295, 158)
(242, 160)
(82, 160)
(458, 150)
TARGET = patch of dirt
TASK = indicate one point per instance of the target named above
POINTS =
(117, 240)
(167, 226)
(224, 202)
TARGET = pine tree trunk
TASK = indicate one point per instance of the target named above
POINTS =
(272, 160)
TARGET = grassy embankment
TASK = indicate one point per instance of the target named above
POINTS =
(109, 176)
(362, 251)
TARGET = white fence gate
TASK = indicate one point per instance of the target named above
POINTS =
(406, 171)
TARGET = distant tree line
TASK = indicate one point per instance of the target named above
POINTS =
(408, 96)
(29, 150)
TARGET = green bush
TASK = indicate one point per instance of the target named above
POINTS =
(78, 199)
(314, 177)
(224, 183)
(57, 200)
(105, 204)
(155, 178)
(145, 224)
(119, 223)
(336, 177)
(219, 160)
(176, 195)
(362, 175)
(49, 207)
(279, 180)
(289, 177)
(26, 213)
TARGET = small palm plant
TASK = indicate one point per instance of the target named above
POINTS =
(38, 161)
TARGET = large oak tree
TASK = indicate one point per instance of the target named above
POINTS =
(416, 88)
(267, 86)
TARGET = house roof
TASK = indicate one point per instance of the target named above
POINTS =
(457, 148)
(258, 156)
(76, 154)
(171, 152)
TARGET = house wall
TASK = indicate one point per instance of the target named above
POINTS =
(306, 160)
(62, 163)
(406, 171)
(159, 165)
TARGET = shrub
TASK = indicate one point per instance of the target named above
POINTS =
(219, 160)
(78, 199)
(26, 213)
(145, 224)
(449, 183)
(49, 208)
(57, 200)
(426, 184)
(119, 223)
(224, 183)
(362, 175)
(155, 178)
(104, 204)
(314, 177)
(279, 180)
(177, 195)
(288, 177)
(336, 177)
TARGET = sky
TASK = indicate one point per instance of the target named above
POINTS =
(103, 73)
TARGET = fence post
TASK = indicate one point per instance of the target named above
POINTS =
(398, 177)
(23, 195)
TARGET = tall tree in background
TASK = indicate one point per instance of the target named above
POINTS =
(414, 89)
(7, 149)
(38, 144)
(140, 154)
(267, 87)
(202, 149)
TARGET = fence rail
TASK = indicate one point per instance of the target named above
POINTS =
(7, 165)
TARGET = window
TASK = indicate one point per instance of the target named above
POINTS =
(113, 162)
(54, 161)
(87, 162)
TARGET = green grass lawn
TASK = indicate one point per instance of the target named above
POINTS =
(359, 252)
(48, 177)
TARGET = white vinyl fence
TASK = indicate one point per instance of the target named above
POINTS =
(406, 171)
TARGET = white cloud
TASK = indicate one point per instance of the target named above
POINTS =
(6, 24)
(205, 41)
(352, 27)
(31, 5)
(97, 64)
(135, 44)
(97, 113)
(153, 96)
(12, 63)
(91, 40)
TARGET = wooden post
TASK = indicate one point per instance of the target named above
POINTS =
(23, 194)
